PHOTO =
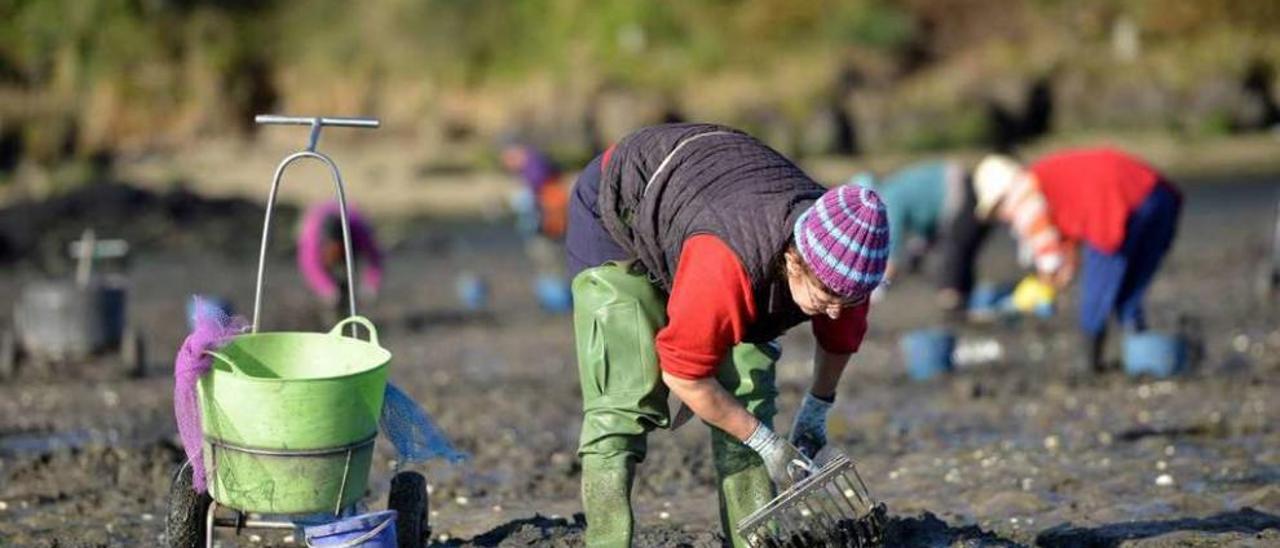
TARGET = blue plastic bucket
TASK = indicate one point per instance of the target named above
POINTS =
(553, 294)
(473, 292)
(376, 530)
(1156, 354)
(928, 352)
(989, 297)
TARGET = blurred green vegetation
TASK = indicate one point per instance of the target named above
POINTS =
(82, 78)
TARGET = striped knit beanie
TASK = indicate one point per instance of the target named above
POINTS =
(844, 238)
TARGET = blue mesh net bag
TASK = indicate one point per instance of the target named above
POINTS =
(412, 432)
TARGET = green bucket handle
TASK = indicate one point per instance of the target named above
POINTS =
(358, 320)
(222, 358)
(336, 331)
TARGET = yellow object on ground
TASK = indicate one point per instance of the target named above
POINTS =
(1032, 293)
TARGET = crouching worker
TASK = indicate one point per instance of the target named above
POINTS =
(322, 260)
(931, 205)
(1121, 209)
(694, 247)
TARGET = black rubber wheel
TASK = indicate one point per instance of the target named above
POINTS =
(184, 519)
(408, 497)
(8, 354)
(133, 354)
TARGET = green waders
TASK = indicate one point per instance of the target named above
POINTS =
(617, 314)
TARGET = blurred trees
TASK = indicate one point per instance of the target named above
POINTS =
(91, 78)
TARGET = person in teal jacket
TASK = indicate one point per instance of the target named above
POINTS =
(931, 205)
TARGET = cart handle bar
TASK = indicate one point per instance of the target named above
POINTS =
(276, 119)
(317, 123)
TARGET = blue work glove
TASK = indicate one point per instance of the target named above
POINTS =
(809, 432)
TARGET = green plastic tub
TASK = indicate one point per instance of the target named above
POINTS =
(289, 419)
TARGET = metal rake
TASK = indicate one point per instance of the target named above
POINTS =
(830, 507)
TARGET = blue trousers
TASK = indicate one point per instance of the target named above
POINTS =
(587, 243)
(1117, 282)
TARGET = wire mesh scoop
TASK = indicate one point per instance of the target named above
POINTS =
(830, 507)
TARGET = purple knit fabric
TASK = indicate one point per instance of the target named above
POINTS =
(844, 238)
(213, 328)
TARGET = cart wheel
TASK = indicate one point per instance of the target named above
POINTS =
(8, 354)
(133, 355)
(184, 525)
(408, 498)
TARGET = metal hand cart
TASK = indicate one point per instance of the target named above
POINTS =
(325, 480)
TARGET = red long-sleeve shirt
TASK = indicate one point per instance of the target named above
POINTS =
(1091, 192)
(711, 306)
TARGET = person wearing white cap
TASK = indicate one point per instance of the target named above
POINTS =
(1121, 211)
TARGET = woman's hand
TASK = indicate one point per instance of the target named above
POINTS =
(780, 458)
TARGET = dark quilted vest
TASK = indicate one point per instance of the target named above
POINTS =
(729, 185)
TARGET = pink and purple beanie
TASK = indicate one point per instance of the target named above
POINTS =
(844, 238)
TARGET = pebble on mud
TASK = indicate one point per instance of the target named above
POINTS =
(1165, 480)
(953, 476)
(1240, 343)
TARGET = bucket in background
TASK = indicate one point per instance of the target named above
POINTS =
(987, 298)
(1033, 296)
(553, 294)
(928, 352)
(375, 530)
(473, 291)
(1159, 355)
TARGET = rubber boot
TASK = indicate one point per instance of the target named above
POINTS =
(606, 499)
(741, 478)
(617, 313)
(1095, 347)
(742, 481)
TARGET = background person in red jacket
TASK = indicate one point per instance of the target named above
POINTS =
(1119, 209)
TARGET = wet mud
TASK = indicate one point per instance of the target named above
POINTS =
(1016, 448)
